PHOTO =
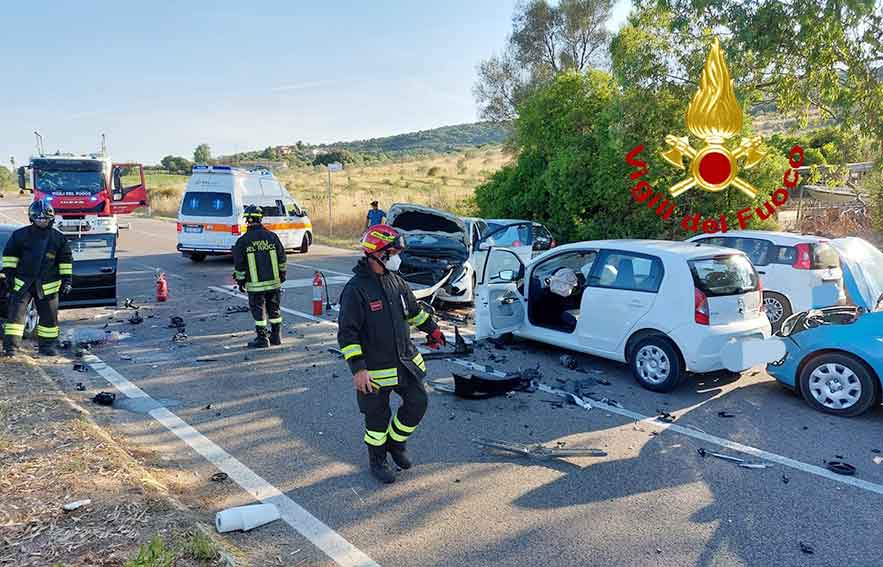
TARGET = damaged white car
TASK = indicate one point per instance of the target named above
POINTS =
(439, 260)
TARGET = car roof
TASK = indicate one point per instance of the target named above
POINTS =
(9, 227)
(778, 237)
(669, 248)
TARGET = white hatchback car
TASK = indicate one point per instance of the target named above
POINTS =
(798, 272)
(665, 308)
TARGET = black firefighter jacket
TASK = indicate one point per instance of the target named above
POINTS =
(259, 260)
(376, 312)
(37, 256)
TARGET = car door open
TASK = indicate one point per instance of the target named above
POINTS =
(95, 271)
(128, 188)
(499, 304)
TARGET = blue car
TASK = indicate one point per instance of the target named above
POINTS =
(834, 356)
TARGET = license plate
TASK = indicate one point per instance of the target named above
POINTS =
(196, 228)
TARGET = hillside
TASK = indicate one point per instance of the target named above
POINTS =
(437, 140)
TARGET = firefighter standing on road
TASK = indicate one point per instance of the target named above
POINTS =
(260, 265)
(376, 309)
(38, 265)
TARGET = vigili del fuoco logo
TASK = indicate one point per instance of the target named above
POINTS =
(714, 117)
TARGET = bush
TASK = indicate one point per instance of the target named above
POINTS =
(433, 171)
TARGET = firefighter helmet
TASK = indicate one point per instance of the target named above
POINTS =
(381, 237)
(253, 214)
(41, 210)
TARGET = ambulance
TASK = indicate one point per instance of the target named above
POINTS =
(210, 218)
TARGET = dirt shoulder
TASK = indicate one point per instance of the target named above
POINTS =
(53, 454)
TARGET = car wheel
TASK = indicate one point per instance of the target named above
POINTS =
(839, 384)
(777, 308)
(656, 364)
(197, 257)
(32, 319)
(305, 245)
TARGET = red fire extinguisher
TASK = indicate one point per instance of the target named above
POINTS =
(162, 287)
(317, 294)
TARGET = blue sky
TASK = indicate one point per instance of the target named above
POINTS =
(162, 77)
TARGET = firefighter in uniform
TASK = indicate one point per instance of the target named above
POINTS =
(260, 264)
(377, 309)
(38, 265)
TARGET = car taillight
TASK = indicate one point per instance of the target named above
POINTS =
(179, 227)
(804, 257)
(700, 315)
(234, 230)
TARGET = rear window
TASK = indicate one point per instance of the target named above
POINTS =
(724, 275)
(824, 256)
(92, 247)
(519, 235)
(199, 204)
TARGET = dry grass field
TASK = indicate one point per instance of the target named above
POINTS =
(446, 182)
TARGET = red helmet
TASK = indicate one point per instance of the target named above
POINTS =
(380, 237)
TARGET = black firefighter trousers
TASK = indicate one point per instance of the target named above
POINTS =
(264, 306)
(47, 309)
(379, 430)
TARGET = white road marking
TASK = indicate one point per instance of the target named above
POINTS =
(307, 282)
(323, 270)
(155, 268)
(283, 309)
(323, 537)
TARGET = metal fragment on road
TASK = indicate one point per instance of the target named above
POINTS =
(539, 451)
(754, 465)
(71, 506)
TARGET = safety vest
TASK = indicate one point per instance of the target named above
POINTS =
(39, 257)
(259, 259)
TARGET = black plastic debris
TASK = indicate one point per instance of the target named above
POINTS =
(603, 381)
(180, 338)
(807, 548)
(725, 414)
(65, 344)
(237, 309)
(460, 345)
(785, 479)
(136, 318)
(839, 467)
(209, 406)
(130, 304)
(80, 367)
(80, 387)
(176, 322)
(877, 451)
(220, 477)
(539, 451)
(104, 398)
(665, 416)
(568, 362)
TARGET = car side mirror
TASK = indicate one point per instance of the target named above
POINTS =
(117, 196)
(506, 276)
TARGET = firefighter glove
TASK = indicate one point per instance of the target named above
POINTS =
(436, 339)
(241, 285)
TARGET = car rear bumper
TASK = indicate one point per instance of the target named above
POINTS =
(207, 250)
(702, 346)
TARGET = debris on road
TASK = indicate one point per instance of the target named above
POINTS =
(136, 318)
(206, 359)
(130, 304)
(785, 479)
(71, 506)
(176, 322)
(104, 398)
(220, 477)
(80, 387)
(807, 548)
(80, 367)
(125, 357)
(703, 452)
(245, 518)
(665, 416)
(877, 460)
(725, 414)
(180, 338)
(568, 362)
(539, 451)
(480, 386)
(602, 381)
(237, 309)
(840, 467)
(754, 465)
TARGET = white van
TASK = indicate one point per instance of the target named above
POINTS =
(210, 218)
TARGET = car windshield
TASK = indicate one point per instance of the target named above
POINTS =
(419, 240)
(207, 204)
(514, 235)
(68, 182)
(732, 274)
(92, 247)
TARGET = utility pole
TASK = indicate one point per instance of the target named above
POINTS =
(332, 167)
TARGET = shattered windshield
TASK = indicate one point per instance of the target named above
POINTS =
(865, 263)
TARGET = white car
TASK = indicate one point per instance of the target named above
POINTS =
(798, 272)
(665, 308)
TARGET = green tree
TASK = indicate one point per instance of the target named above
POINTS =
(338, 155)
(202, 154)
(546, 39)
(8, 181)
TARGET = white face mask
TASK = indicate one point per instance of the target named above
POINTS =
(393, 263)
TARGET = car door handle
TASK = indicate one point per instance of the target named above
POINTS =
(508, 300)
(106, 270)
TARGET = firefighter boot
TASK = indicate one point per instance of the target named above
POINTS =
(276, 334)
(48, 349)
(399, 455)
(261, 340)
(11, 346)
(379, 467)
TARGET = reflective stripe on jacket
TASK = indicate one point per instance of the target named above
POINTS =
(374, 327)
(40, 257)
(259, 260)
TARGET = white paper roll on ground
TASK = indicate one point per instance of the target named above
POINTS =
(245, 517)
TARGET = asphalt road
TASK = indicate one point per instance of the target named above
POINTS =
(287, 418)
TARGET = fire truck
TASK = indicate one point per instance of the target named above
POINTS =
(89, 188)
